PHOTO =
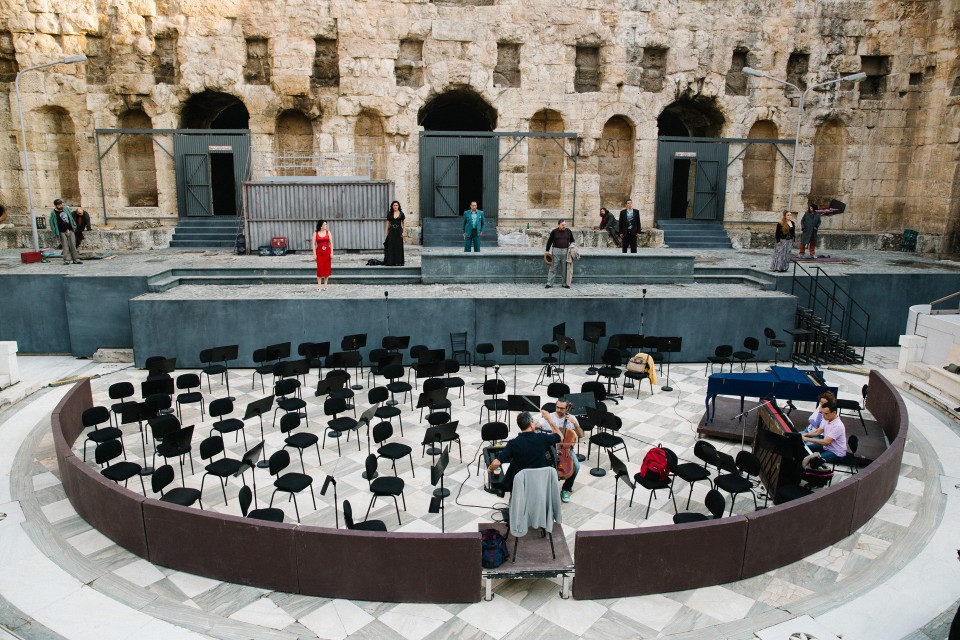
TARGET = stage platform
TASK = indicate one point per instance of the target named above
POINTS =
(146, 300)
(533, 559)
(725, 426)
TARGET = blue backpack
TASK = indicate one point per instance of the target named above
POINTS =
(493, 549)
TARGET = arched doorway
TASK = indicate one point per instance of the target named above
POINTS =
(458, 163)
(691, 174)
(211, 168)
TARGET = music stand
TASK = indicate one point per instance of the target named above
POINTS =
(131, 413)
(158, 385)
(559, 331)
(566, 345)
(620, 471)
(365, 418)
(523, 403)
(436, 475)
(330, 480)
(162, 369)
(355, 343)
(258, 408)
(321, 350)
(592, 332)
(252, 459)
(581, 402)
(668, 346)
(440, 433)
(430, 400)
(515, 348)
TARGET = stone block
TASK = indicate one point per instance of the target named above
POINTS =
(113, 355)
(9, 369)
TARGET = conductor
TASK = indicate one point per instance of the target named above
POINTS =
(527, 451)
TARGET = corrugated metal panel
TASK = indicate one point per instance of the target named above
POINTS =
(354, 212)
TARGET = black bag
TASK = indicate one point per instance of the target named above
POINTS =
(493, 549)
(375, 262)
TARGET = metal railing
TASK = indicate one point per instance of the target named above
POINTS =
(833, 304)
(272, 164)
(938, 312)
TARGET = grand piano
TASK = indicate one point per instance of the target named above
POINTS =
(782, 383)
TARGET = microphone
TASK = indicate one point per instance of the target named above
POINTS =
(386, 293)
(790, 404)
(644, 292)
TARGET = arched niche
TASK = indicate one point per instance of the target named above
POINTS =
(137, 165)
(293, 144)
(760, 168)
(53, 142)
(369, 138)
(615, 161)
(214, 110)
(829, 159)
(461, 109)
(698, 118)
(545, 161)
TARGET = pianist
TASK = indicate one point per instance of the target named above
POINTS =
(816, 418)
(527, 451)
(831, 444)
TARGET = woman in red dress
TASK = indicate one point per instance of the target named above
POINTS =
(323, 249)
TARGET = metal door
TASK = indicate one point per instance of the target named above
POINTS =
(706, 192)
(710, 175)
(198, 199)
(446, 186)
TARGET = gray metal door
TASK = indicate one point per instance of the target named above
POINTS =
(706, 205)
(710, 176)
(446, 186)
(198, 199)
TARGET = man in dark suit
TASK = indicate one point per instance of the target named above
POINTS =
(629, 227)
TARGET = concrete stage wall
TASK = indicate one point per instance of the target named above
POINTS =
(160, 323)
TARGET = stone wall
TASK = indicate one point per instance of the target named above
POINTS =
(361, 72)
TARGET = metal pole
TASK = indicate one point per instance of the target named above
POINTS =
(23, 140)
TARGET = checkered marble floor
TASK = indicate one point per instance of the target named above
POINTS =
(522, 608)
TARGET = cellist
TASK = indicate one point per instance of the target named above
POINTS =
(566, 426)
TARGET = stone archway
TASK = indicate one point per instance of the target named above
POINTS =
(137, 165)
(214, 110)
(460, 109)
(760, 168)
(680, 178)
(56, 171)
(615, 161)
(545, 161)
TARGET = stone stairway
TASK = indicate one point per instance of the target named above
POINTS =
(448, 232)
(209, 232)
(694, 234)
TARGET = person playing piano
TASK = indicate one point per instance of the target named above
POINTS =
(816, 418)
(527, 451)
(831, 444)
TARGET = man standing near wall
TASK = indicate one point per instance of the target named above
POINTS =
(62, 226)
(472, 227)
(629, 227)
(558, 244)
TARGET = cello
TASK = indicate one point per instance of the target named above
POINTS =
(565, 452)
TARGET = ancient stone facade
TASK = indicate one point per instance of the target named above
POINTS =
(350, 76)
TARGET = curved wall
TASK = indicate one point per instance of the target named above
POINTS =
(445, 567)
(619, 563)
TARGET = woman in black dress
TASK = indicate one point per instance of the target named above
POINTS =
(393, 244)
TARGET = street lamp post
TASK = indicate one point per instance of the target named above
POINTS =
(23, 139)
(803, 95)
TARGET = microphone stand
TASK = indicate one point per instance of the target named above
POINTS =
(643, 301)
(330, 480)
(743, 423)
(386, 295)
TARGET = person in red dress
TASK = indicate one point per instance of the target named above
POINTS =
(323, 250)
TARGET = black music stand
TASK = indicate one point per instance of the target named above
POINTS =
(515, 348)
(131, 413)
(330, 480)
(522, 403)
(436, 475)
(596, 417)
(225, 355)
(581, 402)
(620, 471)
(567, 345)
(592, 332)
(355, 343)
(631, 342)
(366, 418)
(158, 385)
(395, 344)
(668, 346)
(321, 350)
(252, 459)
(162, 369)
(431, 399)
(439, 434)
(258, 408)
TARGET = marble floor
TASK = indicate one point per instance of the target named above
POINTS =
(61, 578)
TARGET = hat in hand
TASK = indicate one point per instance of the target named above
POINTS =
(548, 257)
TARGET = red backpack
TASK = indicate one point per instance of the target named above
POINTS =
(655, 465)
